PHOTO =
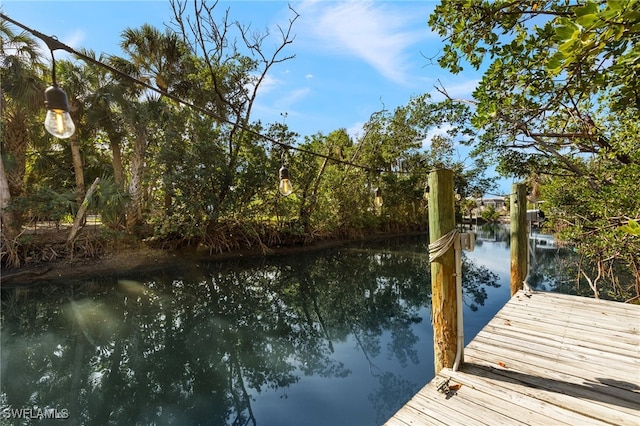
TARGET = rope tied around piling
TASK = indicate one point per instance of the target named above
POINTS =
(437, 249)
(442, 244)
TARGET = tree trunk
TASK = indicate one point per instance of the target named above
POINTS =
(116, 158)
(134, 211)
(15, 138)
(306, 210)
(15, 154)
(5, 198)
(115, 142)
(5, 195)
(78, 169)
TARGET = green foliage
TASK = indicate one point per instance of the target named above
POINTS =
(109, 200)
(527, 100)
(632, 227)
(602, 35)
(44, 205)
(558, 99)
(599, 222)
(205, 176)
(490, 214)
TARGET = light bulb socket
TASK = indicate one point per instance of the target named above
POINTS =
(378, 192)
(284, 173)
(56, 99)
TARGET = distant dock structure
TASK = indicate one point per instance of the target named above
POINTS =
(543, 241)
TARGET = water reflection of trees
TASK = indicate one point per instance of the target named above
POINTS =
(196, 344)
(554, 268)
(476, 279)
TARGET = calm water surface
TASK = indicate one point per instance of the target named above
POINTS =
(334, 337)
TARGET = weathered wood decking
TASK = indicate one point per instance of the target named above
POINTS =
(548, 359)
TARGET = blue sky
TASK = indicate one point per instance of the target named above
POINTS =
(351, 58)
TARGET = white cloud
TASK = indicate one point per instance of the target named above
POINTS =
(291, 98)
(308, 76)
(267, 84)
(374, 32)
(356, 130)
(75, 39)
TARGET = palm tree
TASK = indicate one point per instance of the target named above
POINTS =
(22, 97)
(78, 84)
(108, 98)
(157, 58)
(105, 101)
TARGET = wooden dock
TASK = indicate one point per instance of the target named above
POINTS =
(547, 359)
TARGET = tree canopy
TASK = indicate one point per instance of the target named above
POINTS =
(559, 100)
(181, 160)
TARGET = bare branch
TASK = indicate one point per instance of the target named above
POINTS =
(444, 92)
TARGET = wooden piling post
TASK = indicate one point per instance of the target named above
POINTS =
(443, 280)
(519, 237)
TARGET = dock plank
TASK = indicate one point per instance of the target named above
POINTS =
(614, 349)
(596, 399)
(544, 359)
(540, 412)
(596, 350)
(624, 341)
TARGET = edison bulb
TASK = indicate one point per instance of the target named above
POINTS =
(377, 200)
(285, 187)
(59, 123)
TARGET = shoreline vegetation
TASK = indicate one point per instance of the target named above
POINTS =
(48, 257)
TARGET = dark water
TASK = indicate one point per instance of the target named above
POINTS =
(333, 337)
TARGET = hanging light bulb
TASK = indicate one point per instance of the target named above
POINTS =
(285, 187)
(377, 200)
(58, 120)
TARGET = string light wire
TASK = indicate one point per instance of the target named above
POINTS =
(55, 44)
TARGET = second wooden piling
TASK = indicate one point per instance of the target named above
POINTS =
(519, 237)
